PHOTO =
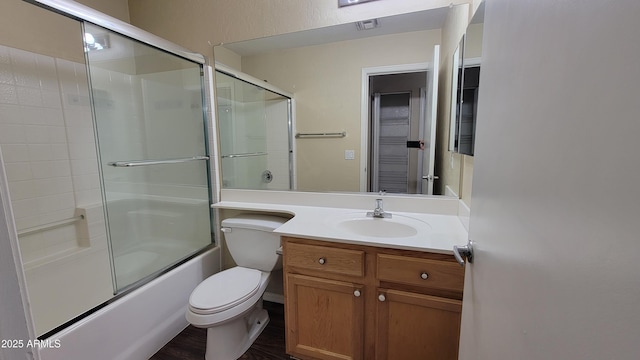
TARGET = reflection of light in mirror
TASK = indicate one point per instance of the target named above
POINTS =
(95, 42)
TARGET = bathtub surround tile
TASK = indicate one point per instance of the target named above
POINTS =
(6, 74)
(12, 134)
(24, 208)
(29, 96)
(57, 135)
(40, 98)
(24, 68)
(39, 219)
(86, 182)
(88, 196)
(97, 230)
(50, 169)
(84, 166)
(51, 99)
(83, 150)
(93, 212)
(56, 202)
(53, 186)
(80, 133)
(77, 116)
(8, 94)
(31, 115)
(14, 153)
(21, 190)
(47, 74)
(59, 152)
(18, 171)
(67, 76)
(10, 114)
(37, 134)
(39, 152)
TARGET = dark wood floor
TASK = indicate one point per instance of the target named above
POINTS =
(191, 343)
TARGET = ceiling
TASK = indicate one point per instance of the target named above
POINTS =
(416, 21)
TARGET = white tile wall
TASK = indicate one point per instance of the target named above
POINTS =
(47, 141)
(278, 143)
(46, 136)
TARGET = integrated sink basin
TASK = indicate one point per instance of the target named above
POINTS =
(397, 226)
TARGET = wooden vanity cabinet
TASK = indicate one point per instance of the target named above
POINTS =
(359, 302)
(324, 303)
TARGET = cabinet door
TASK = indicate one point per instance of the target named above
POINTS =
(416, 326)
(324, 318)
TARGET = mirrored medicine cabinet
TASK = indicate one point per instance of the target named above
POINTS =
(467, 60)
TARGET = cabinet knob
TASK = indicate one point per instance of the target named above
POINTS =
(356, 293)
(381, 297)
(424, 276)
(321, 261)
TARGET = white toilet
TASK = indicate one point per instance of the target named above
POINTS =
(229, 303)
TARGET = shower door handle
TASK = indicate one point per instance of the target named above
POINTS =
(134, 163)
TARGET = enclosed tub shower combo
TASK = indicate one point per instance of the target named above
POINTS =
(108, 163)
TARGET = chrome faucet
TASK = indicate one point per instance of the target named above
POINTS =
(378, 211)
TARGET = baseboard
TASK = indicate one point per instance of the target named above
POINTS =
(276, 298)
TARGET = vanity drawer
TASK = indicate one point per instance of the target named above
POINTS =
(325, 259)
(436, 274)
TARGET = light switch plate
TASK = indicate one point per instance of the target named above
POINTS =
(349, 154)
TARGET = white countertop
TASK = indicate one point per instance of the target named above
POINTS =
(314, 222)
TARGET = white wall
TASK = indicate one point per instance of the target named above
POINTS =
(555, 188)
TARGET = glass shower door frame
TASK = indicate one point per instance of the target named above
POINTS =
(290, 114)
(85, 15)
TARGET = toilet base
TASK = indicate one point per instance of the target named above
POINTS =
(230, 340)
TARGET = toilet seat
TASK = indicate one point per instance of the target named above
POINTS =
(224, 290)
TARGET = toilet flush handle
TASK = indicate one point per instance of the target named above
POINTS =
(225, 230)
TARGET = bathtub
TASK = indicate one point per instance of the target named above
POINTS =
(151, 234)
(138, 324)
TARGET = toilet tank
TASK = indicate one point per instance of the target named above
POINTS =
(251, 241)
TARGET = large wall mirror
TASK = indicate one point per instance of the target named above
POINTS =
(467, 60)
(324, 69)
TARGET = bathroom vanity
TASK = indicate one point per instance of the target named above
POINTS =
(348, 301)
(359, 287)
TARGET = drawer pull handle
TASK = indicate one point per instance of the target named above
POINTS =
(321, 261)
(381, 298)
(424, 276)
(356, 293)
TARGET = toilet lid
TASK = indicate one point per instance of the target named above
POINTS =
(225, 290)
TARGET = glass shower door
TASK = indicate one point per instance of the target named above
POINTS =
(152, 146)
(254, 126)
